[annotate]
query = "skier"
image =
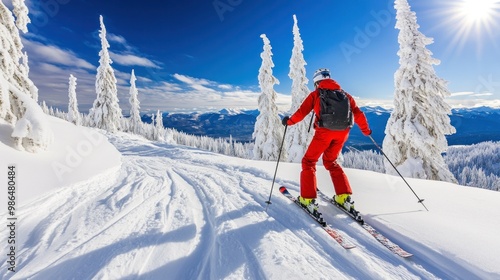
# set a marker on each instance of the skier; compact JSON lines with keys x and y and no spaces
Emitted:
{"x":327,"y":142}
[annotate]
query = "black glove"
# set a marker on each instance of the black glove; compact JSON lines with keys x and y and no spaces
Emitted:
{"x":285,"y":121}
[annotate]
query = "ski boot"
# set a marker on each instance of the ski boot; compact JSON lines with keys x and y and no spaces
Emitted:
{"x":311,"y":206}
{"x":345,"y":201}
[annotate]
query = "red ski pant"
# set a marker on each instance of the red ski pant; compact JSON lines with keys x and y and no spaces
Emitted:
{"x":329,"y":143}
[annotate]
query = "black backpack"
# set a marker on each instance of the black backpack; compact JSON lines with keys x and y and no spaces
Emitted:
{"x":335,"y":109}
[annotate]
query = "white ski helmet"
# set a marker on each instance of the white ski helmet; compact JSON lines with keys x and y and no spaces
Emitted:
{"x":321,"y":74}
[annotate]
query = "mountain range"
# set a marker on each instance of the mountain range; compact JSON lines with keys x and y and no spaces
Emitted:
{"x":473,"y":125}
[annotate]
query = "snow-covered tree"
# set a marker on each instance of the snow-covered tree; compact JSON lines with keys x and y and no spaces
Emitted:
{"x":21,"y":12}
{"x":22,"y":19}
{"x":73,"y":113}
{"x":148,"y":130}
{"x":45,"y":108}
{"x":297,"y":137}
{"x":415,"y":132}
{"x":25,"y":69}
{"x":135,"y":117}
{"x":268,"y":131}
{"x":18,"y":94}
{"x":105,"y":113}
{"x":364,"y":160}
{"x":465,"y":162}
{"x":159,"y":129}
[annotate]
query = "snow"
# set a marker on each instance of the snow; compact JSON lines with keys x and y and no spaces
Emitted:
{"x":31,"y":129}
{"x":76,"y":154}
{"x":161,"y":211}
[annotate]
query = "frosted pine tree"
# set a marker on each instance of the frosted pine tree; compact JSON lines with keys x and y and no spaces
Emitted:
{"x":415,"y":132}
{"x":18,"y":94}
{"x":297,"y":137}
{"x":159,"y":129}
{"x":135,"y":117}
{"x":45,"y":108}
{"x":21,"y":12}
{"x":25,"y":69}
{"x":73,"y":113}
{"x":268,"y":131}
{"x":22,"y":19}
{"x":105,"y":113}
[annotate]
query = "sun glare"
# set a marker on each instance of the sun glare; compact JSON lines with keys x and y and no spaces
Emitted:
{"x":477,"y":11}
{"x":470,"y":21}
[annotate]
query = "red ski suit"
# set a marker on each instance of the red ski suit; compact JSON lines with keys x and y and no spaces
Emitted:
{"x":326,"y":142}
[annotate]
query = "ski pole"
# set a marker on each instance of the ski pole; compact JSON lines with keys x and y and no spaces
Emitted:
{"x":310,"y":123}
{"x":276,"y":170}
{"x":419,"y":199}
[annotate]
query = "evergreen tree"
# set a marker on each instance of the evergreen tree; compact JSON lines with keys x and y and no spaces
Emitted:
{"x":465,"y":161}
{"x":45,"y":108}
{"x":297,"y":137}
{"x":25,"y":69}
{"x":135,"y":117}
{"x":158,"y":128}
{"x":105,"y":113}
{"x":22,"y":19}
{"x":73,"y":113}
{"x":415,"y":132}
{"x":268,"y":131}
{"x":21,"y":12}
{"x":18,"y":94}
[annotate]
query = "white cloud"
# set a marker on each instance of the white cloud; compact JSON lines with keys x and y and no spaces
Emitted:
{"x":116,"y":38}
{"x":470,"y":94}
{"x":55,"y":55}
{"x":198,"y":94}
{"x":189,"y":101}
{"x":453,"y":102}
{"x":225,"y":87}
{"x":483,"y":94}
{"x":50,"y":67}
{"x":463,"y":93}
{"x":129,"y":57}
{"x":472,"y":103}
{"x":206,"y":95}
{"x":132,"y":60}
{"x":191,"y":80}
{"x":195,"y":83}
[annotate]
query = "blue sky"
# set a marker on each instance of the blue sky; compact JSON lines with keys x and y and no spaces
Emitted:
{"x":205,"y":55}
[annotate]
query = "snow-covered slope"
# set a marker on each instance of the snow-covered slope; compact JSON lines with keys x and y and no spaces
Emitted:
{"x":172,"y":212}
{"x":76,"y":154}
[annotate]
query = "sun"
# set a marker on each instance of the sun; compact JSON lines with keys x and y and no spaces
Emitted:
{"x":477,"y":11}
{"x":468,"y":22}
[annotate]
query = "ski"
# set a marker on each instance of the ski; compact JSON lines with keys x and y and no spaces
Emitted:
{"x":393,"y":247}
{"x":331,"y":231}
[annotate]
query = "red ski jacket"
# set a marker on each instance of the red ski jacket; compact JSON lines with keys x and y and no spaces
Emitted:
{"x":312,"y":101}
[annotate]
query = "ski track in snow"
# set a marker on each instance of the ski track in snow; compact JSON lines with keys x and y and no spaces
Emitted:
{"x":190,"y":214}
